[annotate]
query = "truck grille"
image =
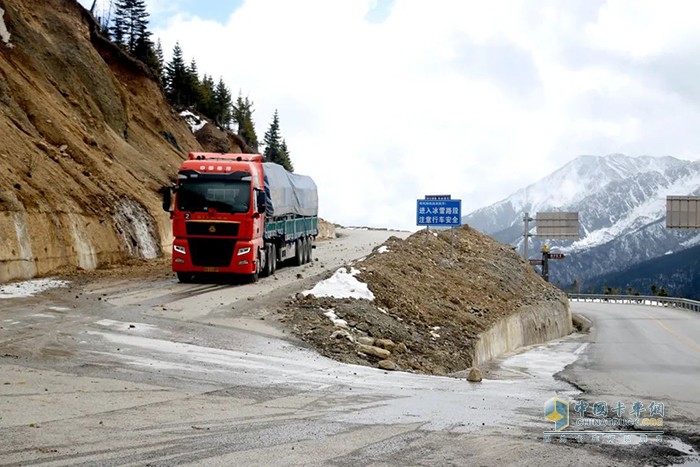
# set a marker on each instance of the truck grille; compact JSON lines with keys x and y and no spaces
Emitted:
{"x":229,"y":229}
{"x":211,"y":252}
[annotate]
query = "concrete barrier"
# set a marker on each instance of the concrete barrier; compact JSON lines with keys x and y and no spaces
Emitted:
{"x":533,"y":324}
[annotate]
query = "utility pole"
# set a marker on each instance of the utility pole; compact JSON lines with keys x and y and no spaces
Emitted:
{"x":526,"y":234}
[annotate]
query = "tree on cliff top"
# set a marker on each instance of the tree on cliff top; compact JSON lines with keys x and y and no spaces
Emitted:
{"x":275,"y":147}
{"x":243,"y":116}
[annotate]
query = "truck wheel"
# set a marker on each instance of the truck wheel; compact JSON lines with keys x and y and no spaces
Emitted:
{"x":307,"y":249}
{"x":303,"y":250}
{"x":185,"y":277}
{"x":298,"y":255}
{"x":254,"y":277}
{"x":273,"y":257}
{"x":311,"y":249}
{"x":267,"y":268}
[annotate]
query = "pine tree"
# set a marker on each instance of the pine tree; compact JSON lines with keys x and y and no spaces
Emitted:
{"x":243,"y":116}
{"x":176,"y":78}
{"x":224,"y":105}
{"x":272,"y":140}
{"x":194,"y":87}
{"x":131,"y":23}
{"x":160,"y":69}
{"x":275,"y":147}
{"x":284,"y":155}
{"x":207,"y":104}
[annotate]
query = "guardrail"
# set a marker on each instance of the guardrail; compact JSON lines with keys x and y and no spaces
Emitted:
{"x":637,"y":300}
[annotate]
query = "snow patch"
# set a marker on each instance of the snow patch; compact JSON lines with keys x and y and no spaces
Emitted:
{"x":4,"y":33}
{"x":338,"y":322}
{"x":195,"y":123}
{"x":342,"y":284}
{"x":30,"y":288}
{"x":383,"y":249}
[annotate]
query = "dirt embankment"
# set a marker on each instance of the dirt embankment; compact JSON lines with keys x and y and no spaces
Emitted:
{"x":87,"y":141}
{"x":430,"y":306}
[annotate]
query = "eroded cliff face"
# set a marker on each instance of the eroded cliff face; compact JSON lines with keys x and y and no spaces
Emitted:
{"x":86,"y":141}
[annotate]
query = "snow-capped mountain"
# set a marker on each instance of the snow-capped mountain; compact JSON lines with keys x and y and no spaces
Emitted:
{"x":621,"y":202}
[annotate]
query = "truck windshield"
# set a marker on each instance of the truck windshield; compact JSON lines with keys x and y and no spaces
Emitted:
{"x":224,"y":196}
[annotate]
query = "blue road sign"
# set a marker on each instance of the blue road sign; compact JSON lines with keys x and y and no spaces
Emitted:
{"x":439,"y":212}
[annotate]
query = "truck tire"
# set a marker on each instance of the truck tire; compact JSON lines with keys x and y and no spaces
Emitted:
{"x":303,"y":250}
{"x":298,"y":254}
{"x":307,"y":244}
{"x":185,"y":277}
{"x":273,"y":257}
{"x":311,"y":249}
{"x":267,"y":268}
{"x":256,"y":275}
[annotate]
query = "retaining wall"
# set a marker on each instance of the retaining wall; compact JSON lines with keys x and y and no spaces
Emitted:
{"x":533,"y":324}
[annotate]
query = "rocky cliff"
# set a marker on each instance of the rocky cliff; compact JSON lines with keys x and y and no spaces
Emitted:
{"x":87,"y":139}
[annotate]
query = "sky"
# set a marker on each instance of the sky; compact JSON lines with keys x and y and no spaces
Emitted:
{"x":382,"y":102}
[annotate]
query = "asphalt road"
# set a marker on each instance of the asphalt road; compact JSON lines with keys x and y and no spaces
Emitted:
{"x":118,"y":371}
{"x":642,"y":353}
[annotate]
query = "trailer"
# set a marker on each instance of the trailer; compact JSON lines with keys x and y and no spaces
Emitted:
{"x":235,"y":214}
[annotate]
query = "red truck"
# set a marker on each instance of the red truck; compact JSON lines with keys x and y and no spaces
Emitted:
{"x":235,"y":214}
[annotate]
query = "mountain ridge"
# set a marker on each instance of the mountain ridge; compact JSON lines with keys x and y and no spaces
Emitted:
{"x":621,"y":205}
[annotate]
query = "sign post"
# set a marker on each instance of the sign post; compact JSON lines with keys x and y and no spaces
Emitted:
{"x":439,"y":211}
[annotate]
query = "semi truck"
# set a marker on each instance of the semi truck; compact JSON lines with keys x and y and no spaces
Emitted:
{"x":235,"y":214}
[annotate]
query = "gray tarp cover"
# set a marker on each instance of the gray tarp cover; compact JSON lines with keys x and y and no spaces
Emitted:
{"x":289,"y":193}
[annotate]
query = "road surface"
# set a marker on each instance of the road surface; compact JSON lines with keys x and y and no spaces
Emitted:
{"x":112,"y":371}
{"x":642,"y":353}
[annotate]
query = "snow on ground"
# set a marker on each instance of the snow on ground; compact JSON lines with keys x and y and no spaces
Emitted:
{"x":342,"y":284}
{"x":193,"y":121}
{"x":29,"y":288}
{"x":383,"y":249}
{"x":334,"y":318}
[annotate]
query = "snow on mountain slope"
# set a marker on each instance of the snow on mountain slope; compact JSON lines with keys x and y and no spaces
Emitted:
{"x":621,"y":202}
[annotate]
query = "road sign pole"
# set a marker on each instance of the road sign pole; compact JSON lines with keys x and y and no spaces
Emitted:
{"x":526,"y":234}
{"x":545,"y":265}
{"x":452,"y":242}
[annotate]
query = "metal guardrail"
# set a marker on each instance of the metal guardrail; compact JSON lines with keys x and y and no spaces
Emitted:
{"x":638,"y":300}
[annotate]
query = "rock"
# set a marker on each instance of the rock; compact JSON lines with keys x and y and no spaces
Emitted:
{"x":375,"y":351}
{"x":342,"y":334}
{"x":387,"y":344}
{"x":400,"y":348}
{"x":63,"y":148}
{"x":474,"y":375}
{"x":366,"y":340}
{"x":387,"y":365}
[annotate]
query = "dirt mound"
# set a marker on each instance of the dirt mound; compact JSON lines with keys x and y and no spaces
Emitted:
{"x":429,"y":305}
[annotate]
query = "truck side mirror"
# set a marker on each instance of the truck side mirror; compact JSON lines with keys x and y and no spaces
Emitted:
{"x":260,"y":199}
{"x":167,"y":198}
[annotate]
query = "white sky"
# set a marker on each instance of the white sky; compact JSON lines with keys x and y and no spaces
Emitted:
{"x":470,"y":98}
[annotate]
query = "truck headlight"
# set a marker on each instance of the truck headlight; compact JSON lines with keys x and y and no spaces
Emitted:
{"x":243,"y":251}
{"x":179,"y":249}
